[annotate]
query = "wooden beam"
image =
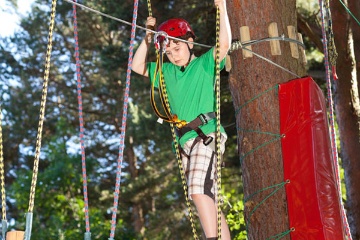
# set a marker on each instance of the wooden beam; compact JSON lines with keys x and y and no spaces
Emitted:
{"x":244,"y":37}
{"x":293,"y":46}
{"x":15,"y":235}
{"x":274,"y":44}
{"x":302,"y":49}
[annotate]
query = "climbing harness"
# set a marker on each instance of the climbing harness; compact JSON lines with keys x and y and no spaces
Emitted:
{"x":195,"y":124}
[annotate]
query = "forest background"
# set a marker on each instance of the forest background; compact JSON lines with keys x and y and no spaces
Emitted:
{"x":151,"y":204}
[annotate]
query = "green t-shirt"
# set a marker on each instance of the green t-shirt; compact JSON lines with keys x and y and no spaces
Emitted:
{"x":191,"y":92}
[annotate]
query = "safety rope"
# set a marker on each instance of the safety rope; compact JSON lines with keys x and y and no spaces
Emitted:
{"x":149,"y":8}
{"x":87,"y":234}
{"x":29,"y":215}
{"x":123,"y":121}
{"x":331,"y":113}
{"x":183,"y":181}
{"x":218,"y":124}
{"x":2,"y":175}
{"x":168,"y":117}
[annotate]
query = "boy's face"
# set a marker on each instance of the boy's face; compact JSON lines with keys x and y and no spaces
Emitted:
{"x":178,"y":52}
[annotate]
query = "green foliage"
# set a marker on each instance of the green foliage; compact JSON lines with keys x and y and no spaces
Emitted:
{"x":235,"y":214}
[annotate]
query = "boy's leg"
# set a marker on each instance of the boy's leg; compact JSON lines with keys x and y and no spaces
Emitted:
{"x":207,"y":211}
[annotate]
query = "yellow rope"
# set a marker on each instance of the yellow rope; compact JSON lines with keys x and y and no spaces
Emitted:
{"x":176,"y":145}
{"x":149,"y":8}
{"x":218,"y":134}
{"x":42,"y":108}
{"x":2,"y":172}
{"x":170,"y":118}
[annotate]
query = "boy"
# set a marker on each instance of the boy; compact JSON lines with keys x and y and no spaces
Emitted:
{"x":190,"y":87}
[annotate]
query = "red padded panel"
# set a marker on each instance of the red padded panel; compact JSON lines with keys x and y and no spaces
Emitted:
{"x":313,"y":199}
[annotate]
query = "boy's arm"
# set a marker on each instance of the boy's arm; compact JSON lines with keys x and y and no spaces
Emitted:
{"x":140,"y":57}
{"x":225,"y":30}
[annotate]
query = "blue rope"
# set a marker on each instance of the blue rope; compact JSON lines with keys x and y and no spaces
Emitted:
{"x":123,"y":123}
{"x":81,"y":122}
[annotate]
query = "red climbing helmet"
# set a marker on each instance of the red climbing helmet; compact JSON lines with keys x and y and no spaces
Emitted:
{"x":176,"y":27}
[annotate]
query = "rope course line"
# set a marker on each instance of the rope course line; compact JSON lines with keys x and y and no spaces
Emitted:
{"x":254,"y":98}
{"x":123,"y":122}
{"x":29,"y":214}
{"x":2,"y":176}
{"x":277,"y":136}
{"x":276,"y":187}
{"x":218,"y":123}
{"x":348,"y":10}
{"x":331,"y":114}
{"x":271,"y":62}
{"x":281,"y":235}
{"x":128,"y":23}
{"x":87,"y":234}
{"x":235,"y":46}
{"x":238,"y":44}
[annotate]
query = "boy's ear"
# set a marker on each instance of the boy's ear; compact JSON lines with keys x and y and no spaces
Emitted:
{"x":190,"y":44}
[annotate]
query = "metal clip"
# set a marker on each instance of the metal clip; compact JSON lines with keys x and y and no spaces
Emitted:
{"x":203,"y":118}
{"x":161,"y":40}
{"x":208,"y":140}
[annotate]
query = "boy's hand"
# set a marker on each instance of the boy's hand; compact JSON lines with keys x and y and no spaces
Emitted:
{"x":150,"y":24}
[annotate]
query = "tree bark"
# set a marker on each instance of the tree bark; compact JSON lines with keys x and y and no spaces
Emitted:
{"x":137,"y":210}
{"x":354,"y":6}
{"x":261,"y":166}
{"x":348,"y":111}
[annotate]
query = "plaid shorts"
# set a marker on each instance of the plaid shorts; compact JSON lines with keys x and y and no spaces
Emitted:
{"x":199,"y":163}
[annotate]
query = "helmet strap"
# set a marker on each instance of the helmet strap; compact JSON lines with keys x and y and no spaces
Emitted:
{"x":191,"y":53}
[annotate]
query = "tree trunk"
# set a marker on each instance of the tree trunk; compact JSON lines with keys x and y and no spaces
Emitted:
{"x":354,"y":6}
{"x":260,"y":157}
{"x":137,"y":210}
{"x":348,"y":112}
